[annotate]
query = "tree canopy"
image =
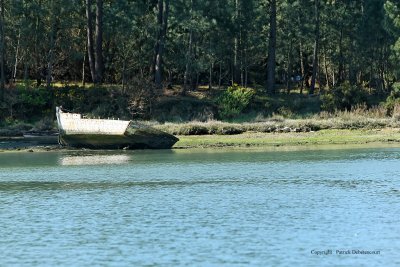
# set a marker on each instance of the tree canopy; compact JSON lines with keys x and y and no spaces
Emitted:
{"x":265,"y":43}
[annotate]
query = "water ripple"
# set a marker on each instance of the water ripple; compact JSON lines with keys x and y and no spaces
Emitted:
{"x":199,"y":209}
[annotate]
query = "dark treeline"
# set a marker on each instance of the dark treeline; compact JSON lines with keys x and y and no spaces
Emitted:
{"x":288,"y":43}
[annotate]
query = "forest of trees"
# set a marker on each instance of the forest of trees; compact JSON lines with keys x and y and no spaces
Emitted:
{"x":304,"y":44}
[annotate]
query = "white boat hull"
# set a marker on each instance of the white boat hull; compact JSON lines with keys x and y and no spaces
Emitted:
{"x":108,"y":134}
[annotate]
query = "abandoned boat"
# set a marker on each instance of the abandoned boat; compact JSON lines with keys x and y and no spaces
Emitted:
{"x":77,"y":131}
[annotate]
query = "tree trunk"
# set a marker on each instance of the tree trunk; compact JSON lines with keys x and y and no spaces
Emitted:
{"x":83,"y":67}
{"x":246,"y":69}
{"x":301,"y":67}
{"x":316,"y":48}
{"x":235,"y":64}
{"x":170,"y":79}
{"x":220,"y":75}
{"x":160,"y":6}
{"x":38,"y":70}
{"x":2,"y":52}
{"x":210,"y":76}
{"x":188,"y":63}
{"x":98,"y":65}
{"x":165,"y":29}
{"x":163,"y":13}
{"x":211,"y":65}
{"x":241,"y":63}
{"x":326,"y":69}
{"x":289,"y":68}
{"x":196,"y":86}
{"x":90,"y":43}
{"x":188,"y":54}
{"x":14,"y":75}
{"x":26,"y":75}
{"x":235,"y":73}
{"x":341,"y":59}
{"x":123,"y":75}
{"x":382,"y":76}
{"x":271,"y":49}
{"x":53,"y":37}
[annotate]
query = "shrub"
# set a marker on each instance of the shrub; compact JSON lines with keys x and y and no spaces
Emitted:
{"x":343,"y":97}
{"x":285,"y":112}
{"x":393,"y":100}
{"x":45,"y":124}
{"x":193,"y":130}
{"x":142,"y":95}
{"x":396,"y":111}
{"x":15,"y":129}
{"x":29,"y":103}
{"x":72,"y":98}
{"x":234,"y":100}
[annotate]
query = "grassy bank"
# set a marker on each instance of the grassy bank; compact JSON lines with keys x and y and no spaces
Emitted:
{"x":323,"y":137}
{"x":278,"y":124}
{"x":333,"y":138}
{"x":358,"y":126}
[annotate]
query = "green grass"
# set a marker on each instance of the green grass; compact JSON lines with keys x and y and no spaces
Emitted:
{"x":278,"y":123}
{"x":324,"y":137}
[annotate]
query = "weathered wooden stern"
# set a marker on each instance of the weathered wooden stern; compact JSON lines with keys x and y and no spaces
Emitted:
{"x":75,"y":131}
{"x":133,"y":139}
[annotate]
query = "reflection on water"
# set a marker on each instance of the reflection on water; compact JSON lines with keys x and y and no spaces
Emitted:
{"x":93,"y":160}
{"x":201,"y":208}
{"x":38,"y":185}
{"x":87,"y":185}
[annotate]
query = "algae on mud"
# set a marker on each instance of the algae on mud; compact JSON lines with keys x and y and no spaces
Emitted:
{"x":323,"y":137}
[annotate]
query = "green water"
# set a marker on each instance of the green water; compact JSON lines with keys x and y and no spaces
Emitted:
{"x":200,"y":208}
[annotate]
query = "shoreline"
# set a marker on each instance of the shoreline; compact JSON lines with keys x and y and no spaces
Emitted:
{"x":329,"y":139}
{"x":319,"y":138}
